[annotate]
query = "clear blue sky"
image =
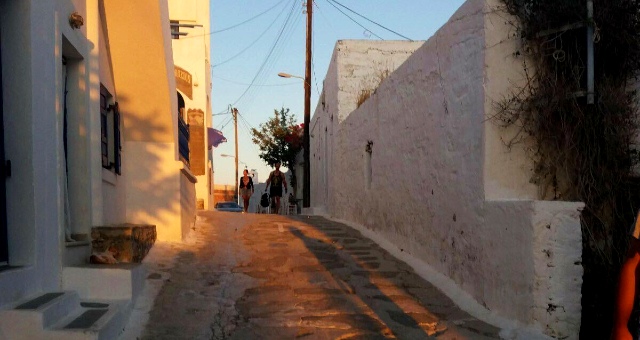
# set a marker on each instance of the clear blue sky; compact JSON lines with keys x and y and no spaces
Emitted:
{"x":273,"y":40}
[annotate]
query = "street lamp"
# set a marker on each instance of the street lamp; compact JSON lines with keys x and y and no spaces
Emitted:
{"x":306,"y":188}
{"x":287,"y":75}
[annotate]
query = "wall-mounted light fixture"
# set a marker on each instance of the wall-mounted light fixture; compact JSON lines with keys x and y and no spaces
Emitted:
{"x":76,"y":20}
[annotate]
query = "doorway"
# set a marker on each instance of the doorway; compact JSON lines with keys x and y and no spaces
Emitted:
{"x":4,"y":174}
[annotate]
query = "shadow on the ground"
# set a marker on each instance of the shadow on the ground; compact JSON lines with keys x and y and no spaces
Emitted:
{"x":343,"y":265}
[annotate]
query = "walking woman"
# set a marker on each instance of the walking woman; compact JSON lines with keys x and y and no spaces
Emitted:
{"x":246,"y":188}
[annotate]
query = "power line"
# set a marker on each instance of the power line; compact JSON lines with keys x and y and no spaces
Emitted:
{"x":222,"y":125}
{"x":280,"y":48}
{"x":236,"y":25}
{"x":313,"y":68}
{"x":247,"y":129}
{"x":245,"y":84}
{"x":221,"y":112}
{"x":254,"y":42}
{"x":264,"y":63}
{"x":357,"y":23}
{"x":369,"y":20}
{"x":246,"y":122}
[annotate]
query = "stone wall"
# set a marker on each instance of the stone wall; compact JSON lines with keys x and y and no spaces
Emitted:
{"x":224,"y":193}
{"x":418,"y":164}
{"x":128,"y":242}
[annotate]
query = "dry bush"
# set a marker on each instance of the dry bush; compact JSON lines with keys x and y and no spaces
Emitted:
{"x":582,"y":152}
{"x":369,"y":85}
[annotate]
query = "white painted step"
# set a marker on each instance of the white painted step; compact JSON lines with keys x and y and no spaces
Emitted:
{"x":122,"y":281}
{"x":108,"y":326}
{"x":19,"y":321}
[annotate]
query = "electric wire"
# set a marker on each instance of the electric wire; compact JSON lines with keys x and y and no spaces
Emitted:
{"x":369,"y":20}
{"x":245,"y":127}
{"x":313,"y":47}
{"x":335,"y":33}
{"x":222,"y":125}
{"x":244,"y":124}
{"x":268,"y":72}
{"x":267,"y":59}
{"x":263,"y":67}
{"x":245,"y":121}
{"x":254,"y":146}
{"x":253,"y":43}
{"x":280,"y":49}
{"x":236,"y":25}
{"x":352,"y":19}
{"x":221,"y":112}
{"x":246,"y":84}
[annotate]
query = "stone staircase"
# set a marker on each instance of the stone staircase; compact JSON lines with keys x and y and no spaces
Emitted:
{"x":63,"y":315}
{"x":95,"y":304}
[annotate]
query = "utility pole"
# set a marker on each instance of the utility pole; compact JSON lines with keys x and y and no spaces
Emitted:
{"x":306,"y":189}
{"x":235,"y":128}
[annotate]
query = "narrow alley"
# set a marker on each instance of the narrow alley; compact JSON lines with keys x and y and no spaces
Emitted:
{"x":251,"y":276}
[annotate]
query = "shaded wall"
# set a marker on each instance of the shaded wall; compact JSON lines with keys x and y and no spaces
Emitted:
{"x":28,"y":33}
{"x":142,"y":64}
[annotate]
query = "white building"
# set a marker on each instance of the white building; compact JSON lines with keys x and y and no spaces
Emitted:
{"x":190,"y":26}
{"x":91,"y":130}
{"x":420,"y":166}
{"x":254,"y":175}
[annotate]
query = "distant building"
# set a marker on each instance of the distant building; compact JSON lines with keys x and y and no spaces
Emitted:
{"x":189,"y":19}
{"x":254,"y":175}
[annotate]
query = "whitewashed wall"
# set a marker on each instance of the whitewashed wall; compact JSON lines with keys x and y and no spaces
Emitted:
{"x":28,"y":34}
{"x":437,"y":184}
{"x":192,"y":54}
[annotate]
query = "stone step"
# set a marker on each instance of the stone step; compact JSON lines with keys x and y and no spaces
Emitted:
{"x":92,"y":320}
{"x":26,"y":318}
{"x":122,"y":281}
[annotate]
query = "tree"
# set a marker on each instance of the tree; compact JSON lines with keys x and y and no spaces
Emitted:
{"x":280,"y":140}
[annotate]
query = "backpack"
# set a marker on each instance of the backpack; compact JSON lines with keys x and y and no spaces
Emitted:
{"x":264,"y":200}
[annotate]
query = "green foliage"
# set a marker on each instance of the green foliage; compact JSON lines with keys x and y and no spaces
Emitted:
{"x":582,"y":152}
{"x":279,"y":140}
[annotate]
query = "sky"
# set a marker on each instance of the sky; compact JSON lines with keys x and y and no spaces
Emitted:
{"x":253,"y":40}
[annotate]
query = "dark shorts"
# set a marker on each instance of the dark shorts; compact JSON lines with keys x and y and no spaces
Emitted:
{"x":275,"y":192}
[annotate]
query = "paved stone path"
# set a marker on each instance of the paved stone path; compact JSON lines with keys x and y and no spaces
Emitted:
{"x":252,"y":276}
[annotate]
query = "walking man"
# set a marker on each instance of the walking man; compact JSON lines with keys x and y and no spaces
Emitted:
{"x":276,"y":179}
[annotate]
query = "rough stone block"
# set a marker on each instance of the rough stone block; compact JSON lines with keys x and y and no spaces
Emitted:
{"x":129,"y":242}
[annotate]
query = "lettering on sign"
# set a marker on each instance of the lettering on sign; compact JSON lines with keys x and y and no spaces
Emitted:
{"x":184,"y":81}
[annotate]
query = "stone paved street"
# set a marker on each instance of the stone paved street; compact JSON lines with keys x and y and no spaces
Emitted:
{"x":250,"y":276}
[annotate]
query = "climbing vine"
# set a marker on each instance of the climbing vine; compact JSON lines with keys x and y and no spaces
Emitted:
{"x":582,"y":151}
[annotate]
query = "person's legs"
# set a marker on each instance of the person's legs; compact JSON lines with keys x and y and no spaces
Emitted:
{"x":277,"y":205}
{"x":246,"y":203}
{"x":276,"y":193}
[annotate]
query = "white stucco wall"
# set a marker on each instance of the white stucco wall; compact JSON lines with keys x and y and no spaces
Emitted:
{"x":187,"y":202}
{"x":191,"y":53}
{"x":81,"y":101}
{"x":28,"y":37}
{"x":154,"y":188}
{"x":110,"y":189}
{"x":507,"y":170}
{"x":433,"y":184}
{"x":356,"y":66}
